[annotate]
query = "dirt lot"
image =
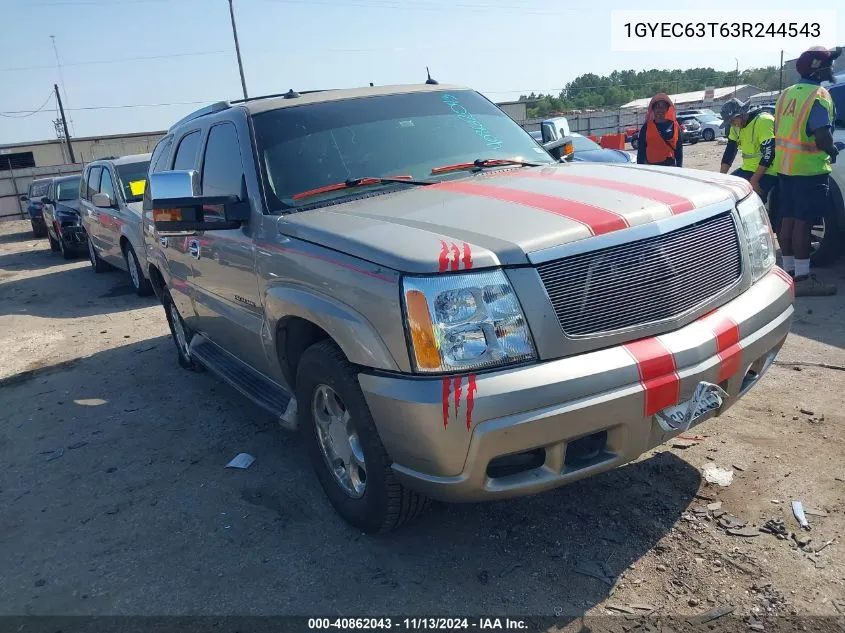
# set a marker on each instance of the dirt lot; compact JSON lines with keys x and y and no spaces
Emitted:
{"x":115,"y":499}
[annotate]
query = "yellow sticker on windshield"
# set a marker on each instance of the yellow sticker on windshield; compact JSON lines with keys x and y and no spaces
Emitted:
{"x":137,"y":187}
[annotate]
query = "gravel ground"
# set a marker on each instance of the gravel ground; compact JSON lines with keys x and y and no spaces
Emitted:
{"x":116,"y":501}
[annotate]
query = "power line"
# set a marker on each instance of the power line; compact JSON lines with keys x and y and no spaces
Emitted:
{"x":119,"y":61}
{"x":43,"y":105}
{"x":119,"y":107}
{"x":408,"y":6}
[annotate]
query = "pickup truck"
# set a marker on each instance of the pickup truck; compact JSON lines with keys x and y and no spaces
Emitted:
{"x":441,"y":307}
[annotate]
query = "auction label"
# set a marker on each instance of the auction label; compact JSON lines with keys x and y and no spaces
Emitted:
{"x":418,"y":624}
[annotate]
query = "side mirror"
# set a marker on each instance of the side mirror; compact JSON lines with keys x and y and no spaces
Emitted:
{"x":24,"y":198}
{"x":562,"y":149}
{"x":46,"y":200}
{"x":178,"y":205}
{"x":102,"y":200}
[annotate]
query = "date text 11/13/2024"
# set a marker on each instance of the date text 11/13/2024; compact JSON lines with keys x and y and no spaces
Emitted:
{"x":417,"y":624}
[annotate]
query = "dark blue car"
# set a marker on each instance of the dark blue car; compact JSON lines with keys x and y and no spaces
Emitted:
{"x":586,"y":150}
{"x":35,"y":206}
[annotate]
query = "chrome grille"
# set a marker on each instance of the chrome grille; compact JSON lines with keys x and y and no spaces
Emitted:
{"x":645,"y":281}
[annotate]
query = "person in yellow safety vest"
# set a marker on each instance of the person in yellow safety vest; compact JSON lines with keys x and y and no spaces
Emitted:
{"x":752,"y":132}
{"x":804,"y":150}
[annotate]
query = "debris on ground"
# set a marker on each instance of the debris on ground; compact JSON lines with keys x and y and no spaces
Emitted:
{"x":714,"y":506}
{"x":775,"y":527}
{"x":715,"y":475}
{"x":798,"y":511}
{"x":815,"y":513}
{"x":594,"y":569}
{"x":730,"y":522}
{"x":712,"y":614}
{"x":241,"y":460}
{"x":748,"y":532}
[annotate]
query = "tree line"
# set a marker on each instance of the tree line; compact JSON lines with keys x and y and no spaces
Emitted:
{"x":620,"y":87}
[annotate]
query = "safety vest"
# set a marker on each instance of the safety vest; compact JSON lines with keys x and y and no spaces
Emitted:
{"x":748,"y":139}
{"x":796,"y":153}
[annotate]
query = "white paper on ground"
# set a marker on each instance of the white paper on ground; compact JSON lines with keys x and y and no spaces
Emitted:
{"x":241,"y":460}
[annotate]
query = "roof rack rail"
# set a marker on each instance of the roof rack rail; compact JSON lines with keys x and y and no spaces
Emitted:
{"x":209,"y":109}
{"x":290,"y":94}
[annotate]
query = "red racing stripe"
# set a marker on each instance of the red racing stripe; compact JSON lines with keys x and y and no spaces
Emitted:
{"x":677,"y":204}
{"x":726,"y":331}
{"x":597,"y":220}
{"x":658,"y":374}
{"x":780,"y":272}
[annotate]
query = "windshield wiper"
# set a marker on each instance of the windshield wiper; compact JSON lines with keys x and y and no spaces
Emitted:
{"x":483,"y":163}
{"x":359,"y":182}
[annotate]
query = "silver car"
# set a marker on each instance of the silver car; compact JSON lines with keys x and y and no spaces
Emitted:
{"x":110,"y":204}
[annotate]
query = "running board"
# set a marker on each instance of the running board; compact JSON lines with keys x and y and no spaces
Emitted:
{"x":264,"y":392}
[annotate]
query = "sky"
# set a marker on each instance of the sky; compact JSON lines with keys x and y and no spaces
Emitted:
{"x":143,"y":53}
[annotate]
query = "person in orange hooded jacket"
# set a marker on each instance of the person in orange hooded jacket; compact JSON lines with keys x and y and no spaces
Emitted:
{"x":660,"y":141}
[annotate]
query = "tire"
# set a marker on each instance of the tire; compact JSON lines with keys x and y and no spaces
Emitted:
{"x":67,"y":253}
{"x":181,"y":339}
{"x":384,"y":504}
{"x":635,"y":142}
{"x":833,"y":241}
{"x":140,"y":284}
{"x":708,"y":135}
{"x":38,"y":231}
{"x":97,"y":264}
{"x":54,"y":245}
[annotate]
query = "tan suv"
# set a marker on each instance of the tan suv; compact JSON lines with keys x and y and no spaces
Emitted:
{"x":441,"y":307}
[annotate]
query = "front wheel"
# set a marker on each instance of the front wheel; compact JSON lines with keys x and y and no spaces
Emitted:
{"x":343,"y":444}
{"x":181,"y":333}
{"x":709,"y":135}
{"x":97,"y":264}
{"x":140,"y":284}
{"x":54,"y":245}
{"x":38,"y":230}
{"x":67,"y":252}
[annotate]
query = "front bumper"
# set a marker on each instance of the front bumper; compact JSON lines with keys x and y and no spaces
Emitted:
{"x":75,"y":237}
{"x":525,"y":430}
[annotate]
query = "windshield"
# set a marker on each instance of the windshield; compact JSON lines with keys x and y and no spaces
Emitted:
{"x":67,"y":189}
{"x":307,"y":147}
{"x":133,"y":180}
{"x":709,"y":118}
{"x":583,"y":144}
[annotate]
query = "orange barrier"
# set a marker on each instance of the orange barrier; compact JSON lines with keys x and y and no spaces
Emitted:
{"x":613,"y":141}
{"x":594,"y":139}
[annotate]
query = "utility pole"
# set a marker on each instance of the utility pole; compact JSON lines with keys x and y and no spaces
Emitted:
{"x":237,"y":48}
{"x":64,"y":124}
{"x":780,"y":80}
{"x":61,"y":75}
{"x":736,"y":78}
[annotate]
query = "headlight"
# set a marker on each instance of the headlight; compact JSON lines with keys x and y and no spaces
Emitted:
{"x":758,"y":235}
{"x":465,"y":322}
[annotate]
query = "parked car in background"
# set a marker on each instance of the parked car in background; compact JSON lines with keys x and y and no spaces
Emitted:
{"x":61,"y":216}
{"x":33,"y":197}
{"x":443,"y":309}
{"x":590,"y":151}
{"x":711,"y":126}
{"x":113,"y":190}
{"x":691,"y":129}
{"x":696,"y":112}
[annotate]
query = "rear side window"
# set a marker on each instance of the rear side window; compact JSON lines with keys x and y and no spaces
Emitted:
{"x":38,"y":189}
{"x":186,"y":155}
{"x":222,"y":170}
{"x":158,"y":161}
{"x":837,"y":93}
{"x":93,"y":184}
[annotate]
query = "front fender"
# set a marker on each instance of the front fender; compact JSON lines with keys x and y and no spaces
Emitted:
{"x":352,"y":332}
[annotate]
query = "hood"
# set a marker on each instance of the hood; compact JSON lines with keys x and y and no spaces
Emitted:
{"x":504,"y":216}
